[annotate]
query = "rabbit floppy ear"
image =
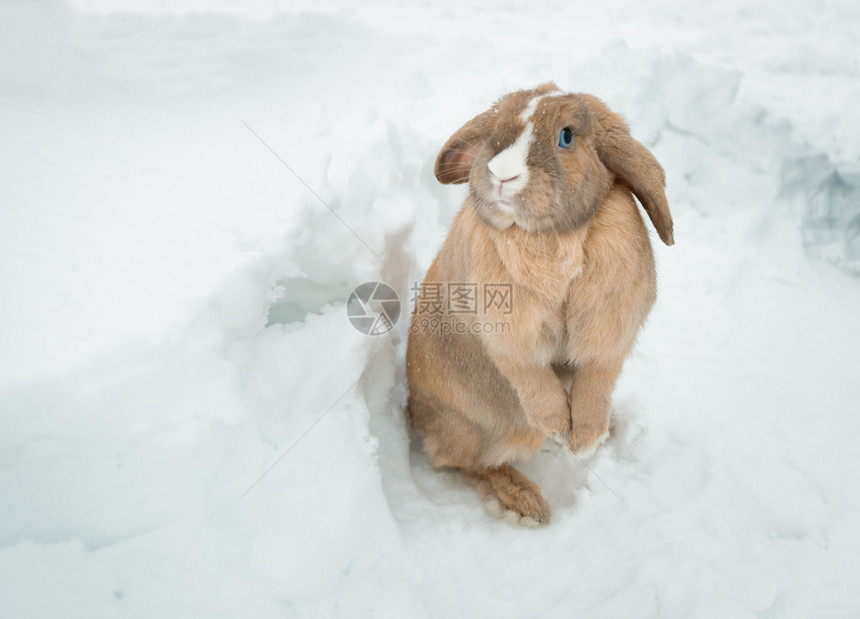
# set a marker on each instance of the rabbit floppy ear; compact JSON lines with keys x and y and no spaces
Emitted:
{"x":635,"y":164}
{"x":454,"y":162}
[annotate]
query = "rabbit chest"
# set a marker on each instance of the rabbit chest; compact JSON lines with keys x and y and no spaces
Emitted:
{"x":582,"y":295}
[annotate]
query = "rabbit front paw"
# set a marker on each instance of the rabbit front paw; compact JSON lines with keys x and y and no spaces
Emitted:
{"x":586,"y":440}
{"x":554,"y":425}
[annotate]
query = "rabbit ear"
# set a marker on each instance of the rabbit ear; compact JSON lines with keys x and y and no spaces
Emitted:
{"x":454,"y":162}
{"x":635,"y":164}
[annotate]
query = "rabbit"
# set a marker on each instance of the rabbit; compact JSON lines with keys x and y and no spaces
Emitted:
{"x":550,"y":225}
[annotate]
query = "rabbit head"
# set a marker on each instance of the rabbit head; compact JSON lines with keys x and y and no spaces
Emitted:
{"x":545,"y":160}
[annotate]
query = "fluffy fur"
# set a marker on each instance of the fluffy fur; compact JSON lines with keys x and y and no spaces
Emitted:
{"x":572,"y":248}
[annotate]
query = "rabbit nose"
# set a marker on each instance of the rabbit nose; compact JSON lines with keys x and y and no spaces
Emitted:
{"x":509,"y":165}
{"x":504,"y":170}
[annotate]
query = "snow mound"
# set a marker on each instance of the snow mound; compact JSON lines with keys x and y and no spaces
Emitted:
{"x":193,"y":426}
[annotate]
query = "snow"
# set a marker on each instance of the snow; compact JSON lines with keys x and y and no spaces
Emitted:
{"x":192,"y":427}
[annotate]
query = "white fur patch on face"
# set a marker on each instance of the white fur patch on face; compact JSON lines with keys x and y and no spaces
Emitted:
{"x":531,"y":108}
{"x":506,"y":208}
{"x":509,"y":167}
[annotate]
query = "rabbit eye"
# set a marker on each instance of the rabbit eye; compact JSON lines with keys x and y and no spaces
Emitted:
{"x":565,"y":138}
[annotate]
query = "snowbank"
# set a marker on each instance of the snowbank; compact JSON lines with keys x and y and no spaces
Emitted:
{"x":191,"y":424}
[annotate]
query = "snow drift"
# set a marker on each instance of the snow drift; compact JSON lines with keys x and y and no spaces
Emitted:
{"x":191,"y":424}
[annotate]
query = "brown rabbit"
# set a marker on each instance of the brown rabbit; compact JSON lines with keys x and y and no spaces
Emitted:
{"x":551,"y":244}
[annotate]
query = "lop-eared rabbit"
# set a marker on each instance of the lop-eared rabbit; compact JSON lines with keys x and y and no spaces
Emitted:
{"x":552,"y":246}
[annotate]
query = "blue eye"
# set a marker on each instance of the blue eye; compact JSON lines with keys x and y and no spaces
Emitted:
{"x":565,"y":138}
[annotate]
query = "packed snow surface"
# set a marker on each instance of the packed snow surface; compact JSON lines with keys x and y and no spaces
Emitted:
{"x":190,"y":190}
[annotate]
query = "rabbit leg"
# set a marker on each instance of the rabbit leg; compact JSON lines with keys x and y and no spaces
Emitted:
{"x":511,"y":496}
{"x":542,"y":395}
{"x":590,"y":403}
